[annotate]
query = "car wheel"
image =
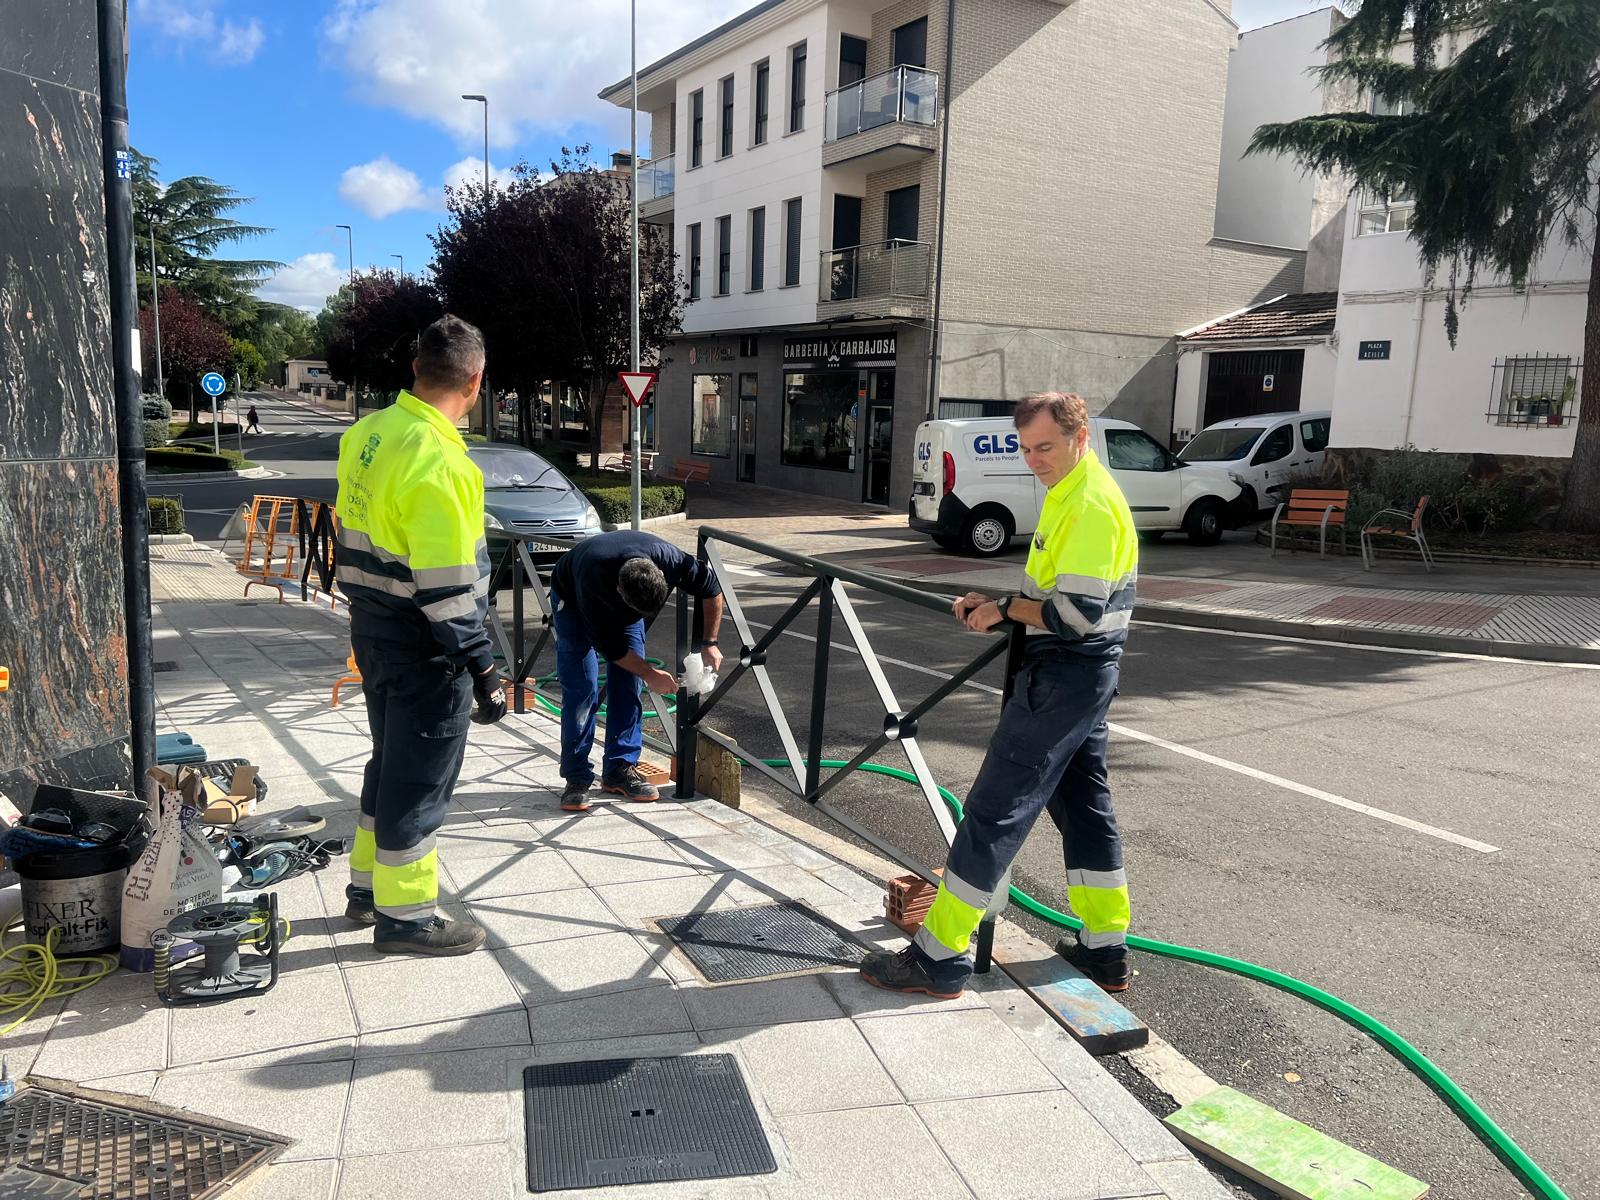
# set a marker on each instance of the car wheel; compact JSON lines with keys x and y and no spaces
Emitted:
{"x":1204,"y":522}
{"x":988,"y":533}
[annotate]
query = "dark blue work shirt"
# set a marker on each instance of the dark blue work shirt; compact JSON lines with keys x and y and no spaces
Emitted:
{"x":586,"y":581}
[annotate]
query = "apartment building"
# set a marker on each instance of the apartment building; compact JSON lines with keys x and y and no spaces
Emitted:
{"x":890,"y":210}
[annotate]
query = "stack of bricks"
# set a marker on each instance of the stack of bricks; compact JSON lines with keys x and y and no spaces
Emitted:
{"x":908,"y":900}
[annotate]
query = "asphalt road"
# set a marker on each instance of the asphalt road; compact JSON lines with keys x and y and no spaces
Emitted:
{"x":300,"y":447}
{"x":1487,"y":961}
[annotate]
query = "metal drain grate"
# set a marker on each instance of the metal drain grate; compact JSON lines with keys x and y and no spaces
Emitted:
{"x":624,"y":1121}
{"x":126,"y":1152}
{"x":751,"y":943}
{"x":25,"y":1183}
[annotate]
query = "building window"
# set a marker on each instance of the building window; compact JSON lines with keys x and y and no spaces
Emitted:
{"x":758,"y":249}
{"x":901,"y":211}
{"x":711,"y":416}
{"x":694,"y":262}
{"x":1537,"y":390}
{"x":749,"y":347}
{"x":819,"y":419}
{"x":697,"y":127}
{"x":725,"y":133}
{"x":791,"y":243}
{"x":759,"y":103}
{"x":1378,"y":215}
{"x":724,"y":255}
{"x":797,"y":88}
{"x":911,"y":44}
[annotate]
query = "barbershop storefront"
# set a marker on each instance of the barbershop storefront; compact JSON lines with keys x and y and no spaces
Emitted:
{"x":807,"y":412}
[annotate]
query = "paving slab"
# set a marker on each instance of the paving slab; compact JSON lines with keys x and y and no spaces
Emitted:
{"x":935,"y":1055}
{"x":429,"y":1101}
{"x":848,"y":1155}
{"x":760,"y":1002}
{"x":296,"y":1181}
{"x":113,"y":1028}
{"x":508,"y":1028}
{"x":810,"y":1066}
{"x":461,"y":1171}
{"x":406,"y":991}
{"x":303,"y":1011}
{"x":653,"y":1010}
{"x":631,"y":862}
{"x":542,"y":917}
{"x":522,"y":872}
{"x":303,"y":1101}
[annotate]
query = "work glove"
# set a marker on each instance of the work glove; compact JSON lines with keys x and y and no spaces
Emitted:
{"x":488,"y":690}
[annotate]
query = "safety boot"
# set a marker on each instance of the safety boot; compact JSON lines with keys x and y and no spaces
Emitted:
{"x":904,"y":971}
{"x":630,"y":783}
{"x":1106,"y":965}
{"x":437,"y":939}
{"x":575,"y":797}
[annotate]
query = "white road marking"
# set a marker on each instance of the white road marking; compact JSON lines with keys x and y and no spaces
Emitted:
{"x":1201,"y":756}
{"x":1301,"y":641}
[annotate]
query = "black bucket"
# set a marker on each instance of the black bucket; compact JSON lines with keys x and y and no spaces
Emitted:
{"x":79,"y":892}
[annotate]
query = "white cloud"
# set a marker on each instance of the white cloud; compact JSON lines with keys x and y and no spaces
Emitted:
{"x":540,"y":62}
{"x":195,"y":23}
{"x":383,"y":187}
{"x":306,"y":283}
{"x":470,"y":171}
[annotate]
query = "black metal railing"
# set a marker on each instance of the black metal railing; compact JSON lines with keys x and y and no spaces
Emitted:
{"x":1535,"y":391}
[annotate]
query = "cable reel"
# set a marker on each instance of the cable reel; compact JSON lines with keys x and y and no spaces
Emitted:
{"x":223,"y":932}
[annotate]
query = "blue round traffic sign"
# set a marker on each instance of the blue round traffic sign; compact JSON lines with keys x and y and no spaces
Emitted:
{"x":213,"y":384}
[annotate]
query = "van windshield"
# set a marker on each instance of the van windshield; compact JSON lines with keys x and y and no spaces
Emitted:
{"x":1220,"y":445}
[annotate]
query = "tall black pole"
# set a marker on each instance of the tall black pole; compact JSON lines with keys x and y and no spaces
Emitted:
{"x":117,"y":166}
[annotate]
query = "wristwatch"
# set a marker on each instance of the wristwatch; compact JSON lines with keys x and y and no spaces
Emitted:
{"x":1004,"y":605}
{"x":708,"y":642}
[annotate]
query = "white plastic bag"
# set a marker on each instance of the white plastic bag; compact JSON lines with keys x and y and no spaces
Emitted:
{"x":696,"y":680}
{"x":177,"y":871}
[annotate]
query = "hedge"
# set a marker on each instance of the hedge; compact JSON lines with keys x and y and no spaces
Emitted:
{"x":155,"y":434}
{"x":185,"y":458}
{"x":615,"y":504}
{"x":166,"y":514}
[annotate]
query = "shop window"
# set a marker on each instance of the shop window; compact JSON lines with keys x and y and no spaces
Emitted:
{"x":711,"y":415}
{"x":819,"y":419}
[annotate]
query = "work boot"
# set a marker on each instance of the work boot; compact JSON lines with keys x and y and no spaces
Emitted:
{"x":1106,"y":966}
{"x":630,"y":782}
{"x":575,"y":798}
{"x":438,"y":939}
{"x":905,"y":972}
{"x":361,"y":912}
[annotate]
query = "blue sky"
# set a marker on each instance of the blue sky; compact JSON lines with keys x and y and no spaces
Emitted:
{"x":348,"y":111}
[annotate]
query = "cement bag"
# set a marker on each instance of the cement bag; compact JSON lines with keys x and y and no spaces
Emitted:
{"x":177,"y":871}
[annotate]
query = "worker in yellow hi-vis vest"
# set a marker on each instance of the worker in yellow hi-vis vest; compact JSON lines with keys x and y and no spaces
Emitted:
{"x":1049,"y":749}
{"x":413,"y":562}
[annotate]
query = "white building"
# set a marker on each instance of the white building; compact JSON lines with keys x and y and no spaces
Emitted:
{"x":885,"y":214}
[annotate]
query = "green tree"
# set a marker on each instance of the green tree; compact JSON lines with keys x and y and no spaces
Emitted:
{"x":192,"y":221}
{"x":192,"y":343}
{"x":282,"y":333}
{"x":1500,"y":147}
{"x":371,"y":334}
{"x":245,"y":361}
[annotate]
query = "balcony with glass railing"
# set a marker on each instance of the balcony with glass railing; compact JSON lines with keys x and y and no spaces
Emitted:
{"x":657,"y":180}
{"x":883,"y":279}
{"x":891,"y":116}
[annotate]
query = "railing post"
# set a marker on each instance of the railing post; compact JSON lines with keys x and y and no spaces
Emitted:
{"x":514,"y":669}
{"x":819,"y":691}
{"x":684,"y":768}
{"x":983,"y":955}
{"x":900,"y":94}
{"x":1014,"y":650}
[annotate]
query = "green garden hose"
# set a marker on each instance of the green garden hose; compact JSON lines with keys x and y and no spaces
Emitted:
{"x":1496,"y":1139}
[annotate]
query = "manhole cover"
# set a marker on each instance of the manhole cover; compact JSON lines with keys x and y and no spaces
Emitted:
{"x":623,"y":1121}
{"x":125,"y":1151}
{"x":750,"y":943}
{"x":159,"y":667}
{"x":25,"y":1183}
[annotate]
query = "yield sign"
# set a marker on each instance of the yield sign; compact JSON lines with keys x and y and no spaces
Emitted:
{"x":637,"y":384}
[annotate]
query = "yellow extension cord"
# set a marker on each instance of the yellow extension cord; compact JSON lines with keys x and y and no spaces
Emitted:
{"x":38,"y":974}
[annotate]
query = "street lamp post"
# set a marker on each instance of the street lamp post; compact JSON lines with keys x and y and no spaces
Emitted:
{"x":355,"y":386}
{"x":635,"y":484}
{"x":402,"y":259}
{"x":490,"y":418}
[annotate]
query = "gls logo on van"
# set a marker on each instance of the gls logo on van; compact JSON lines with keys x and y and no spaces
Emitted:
{"x":995,"y":443}
{"x":924,"y":451}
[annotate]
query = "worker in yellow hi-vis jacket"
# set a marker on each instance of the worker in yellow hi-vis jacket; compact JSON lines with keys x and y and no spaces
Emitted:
{"x":413,"y":562}
{"x":1049,"y":749}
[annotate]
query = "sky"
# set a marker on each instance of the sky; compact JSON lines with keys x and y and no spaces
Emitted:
{"x":330,"y":112}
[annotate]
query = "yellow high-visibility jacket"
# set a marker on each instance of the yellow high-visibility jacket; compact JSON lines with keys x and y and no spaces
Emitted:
{"x":412,"y":557}
{"x":1084,"y":563}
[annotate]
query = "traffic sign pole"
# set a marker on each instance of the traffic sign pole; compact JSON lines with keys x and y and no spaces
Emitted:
{"x":213,"y":385}
{"x":637,"y":384}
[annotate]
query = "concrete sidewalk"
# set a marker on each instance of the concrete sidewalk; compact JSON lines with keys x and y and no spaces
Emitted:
{"x":401,"y":1077}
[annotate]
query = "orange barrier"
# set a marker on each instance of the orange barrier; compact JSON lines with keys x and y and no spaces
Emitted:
{"x":353,"y":677}
{"x":280,"y":548}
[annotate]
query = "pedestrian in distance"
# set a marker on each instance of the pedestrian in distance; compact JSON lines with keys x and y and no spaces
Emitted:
{"x":1048,"y":752}
{"x":252,"y":421}
{"x":413,"y":562}
{"x":604,"y":593}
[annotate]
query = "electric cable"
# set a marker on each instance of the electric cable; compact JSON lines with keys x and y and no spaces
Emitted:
{"x":38,"y":975}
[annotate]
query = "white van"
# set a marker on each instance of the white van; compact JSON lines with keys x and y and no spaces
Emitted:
{"x":1265,"y":453}
{"x":971,"y":490}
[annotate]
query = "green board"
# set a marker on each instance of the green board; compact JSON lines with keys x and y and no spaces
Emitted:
{"x":1292,"y":1159}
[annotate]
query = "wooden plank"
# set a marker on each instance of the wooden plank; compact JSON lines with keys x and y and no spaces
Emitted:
{"x":1279,"y":1152}
{"x":1098,"y":1022}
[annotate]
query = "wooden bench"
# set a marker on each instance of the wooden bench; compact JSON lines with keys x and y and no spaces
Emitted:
{"x":687,"y":470}
{"x":1312,"y":508}
{"x":1393,"y":522}
{"x":624,"y":462}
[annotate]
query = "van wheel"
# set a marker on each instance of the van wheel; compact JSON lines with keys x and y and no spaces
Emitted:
{"x":988,"y":532}
{"x":1203,"y":523}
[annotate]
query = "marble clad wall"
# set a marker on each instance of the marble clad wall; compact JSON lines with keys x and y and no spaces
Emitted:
{"x":61,"y":630}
